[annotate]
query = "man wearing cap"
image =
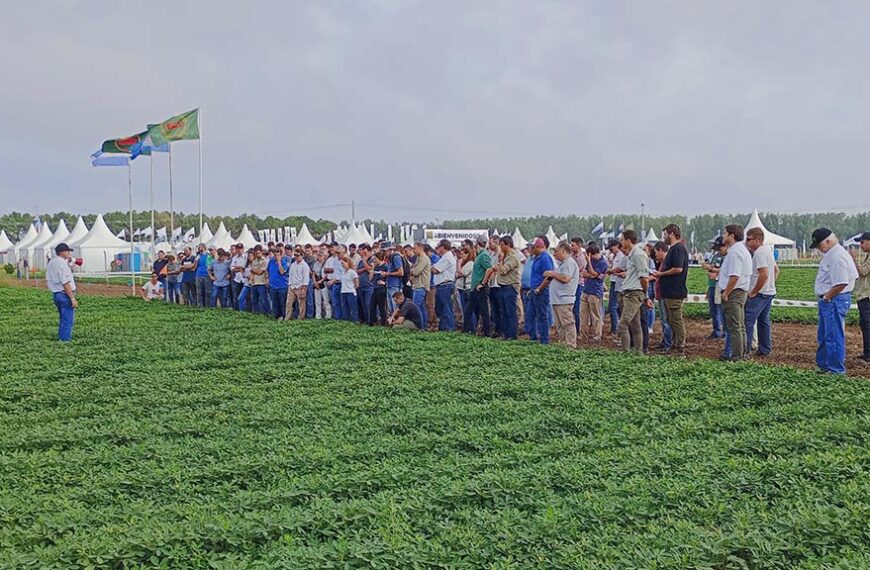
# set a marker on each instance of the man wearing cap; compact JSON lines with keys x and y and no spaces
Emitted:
{"x":60,"y":281}
{"x":862,"y":291}
{"x":834,"y":284}
{"x":634,"y":293}
{"x":762,"y":290}
{"x":713,"y":301}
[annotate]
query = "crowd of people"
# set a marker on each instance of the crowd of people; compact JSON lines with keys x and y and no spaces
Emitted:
{"x":496,"y":288}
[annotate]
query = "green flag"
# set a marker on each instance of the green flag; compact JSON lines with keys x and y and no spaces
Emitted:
{"x":177,"y":128}
{"x":122,"y":145}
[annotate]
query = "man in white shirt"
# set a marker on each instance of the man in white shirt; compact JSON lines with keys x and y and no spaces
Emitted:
{"x":562,"y":282}
{"x":834,"y":284}
{"x":762,"y":290}
{"x":60,"y":281}
{"x":444,"y":272}
{"x":237,"y":268}
{"x":634,"y":293}
{"x":297,"y":285}
{"x":617,"y":269}
{"x":734,"y":278}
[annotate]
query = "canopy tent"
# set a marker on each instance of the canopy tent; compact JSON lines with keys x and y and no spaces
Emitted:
{"x":304,"y":237}
{"x":6,"y":246}
{"x":783,"y":247}
{"x":44,"y":252}
{"x":28,"y":250}
{"x":552,"y":238}
{"x":31,"y":235}
{"x":651,"y":236}
{"x":99,"y":247}
{"x":206,"y":235}
{"x":222,"y":239}
{"x":354,"y":236}
{"x":246,"y":238}
{"x":519,"y":240}
{"x":79,"y":231}
{"x":366,"y":234}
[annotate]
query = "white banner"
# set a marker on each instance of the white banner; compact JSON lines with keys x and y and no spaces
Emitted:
{"x":434,"y":235}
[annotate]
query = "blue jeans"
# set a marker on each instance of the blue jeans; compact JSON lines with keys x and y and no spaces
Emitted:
{"x":173,"y":292}
{"x":258,"y":299}
{"x":444,"y":307}
{"x":365,"y":301}
{"x":349,"y":310}
{"x":477,"y":307}
{"x":162,"y":281}
{"x":507,"y":297}
{"x":391,"y":304}
{"x":335,"y":301}
{"x":528,"y":311}
{"x":235,"y":292}
{"x":667,"y":333}
{"x":278,"y":297}
{"x":716,"y":315}
{"x":309,"y":300}
{"x":188,"y":290}
{"x":613,"y":308}
{"x":541,"y":317}
{"x":757,"y":310}
{"x":203,"y":288}
{"x":67,"y":316}
{"x":831,"y":355}
{"x":243,"y":302}
{"x":220,"y":293}
{"x":419,"y":299}
{"x":576,"y":309}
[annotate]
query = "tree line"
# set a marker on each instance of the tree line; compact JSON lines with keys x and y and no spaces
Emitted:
{"x":705,"y":227}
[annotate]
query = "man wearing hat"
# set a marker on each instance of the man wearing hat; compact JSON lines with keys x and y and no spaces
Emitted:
{"x":713,"y":299}
{"x":834,"y":284}
{"x":59,"y":279}
{"x":862,"y":291}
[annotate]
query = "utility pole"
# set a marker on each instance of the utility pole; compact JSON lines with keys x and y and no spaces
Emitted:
{"x":353,"y":211}
{"x":643,"y":220}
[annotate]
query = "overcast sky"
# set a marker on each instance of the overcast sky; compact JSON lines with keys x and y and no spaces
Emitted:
{"x":502,"y":107}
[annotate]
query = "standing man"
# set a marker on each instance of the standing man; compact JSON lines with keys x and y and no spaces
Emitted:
{"x":592,"y":300}
{"x":160,"y":269}
{"x":540,"y":294}
{"x":634,"y":293}
{"x":297,"y":286}
{"x":277,"y":270}
{"x":672,"y":284}
{"x":734,"y":278}
{"x":259,"y":280}
{"x":578,"y":252}
{"x":478,"y":292}
{"x":237,"y":267}
{"x":421,"y":280}
{"x":203,"y":282}
{"x":762,"y":290}
{"x":715,"y":307}
{"x":616,"y":271}
{"x":495,"y":308}
{"x":394,"y":275}
{"x":445,"y":274}
{"x":508,"y":279}
{"x":862,"y":291}
{"x":188,"y":277}
{"x":219,"y":273}
{"x":60,"y":281}
{"x":364,"y":267}
{"x":834,"y":284}
{"x":563,"y":290}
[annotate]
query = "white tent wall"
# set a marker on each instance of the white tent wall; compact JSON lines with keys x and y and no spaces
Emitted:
{"x":27,"y":252}
{"x":44,"y":252}
{"x":6,"y":246}
{"x":99,"y":247}
{"x":30,"y":236}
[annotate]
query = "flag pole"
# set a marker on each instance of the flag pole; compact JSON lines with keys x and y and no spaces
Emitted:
{"x":153,"y":229}
{"x":199,"y":125}
{"x":171,"y":210}
{"x":130,"y":197}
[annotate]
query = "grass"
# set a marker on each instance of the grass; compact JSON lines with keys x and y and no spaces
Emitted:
{"x":166,"y":437}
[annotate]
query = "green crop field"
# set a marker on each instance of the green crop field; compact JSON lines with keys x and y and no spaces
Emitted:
{"x":168,"y":437}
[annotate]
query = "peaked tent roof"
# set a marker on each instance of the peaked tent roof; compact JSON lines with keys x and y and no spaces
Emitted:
{"x":651,"y":236}
{"x":304,"y":237}
{"x":519,"y":240}
{"x":552,"y":237}
{"x":354,"y":236}
{"x":5,"y":242}
{"x":368,"y":236}
{"x":246,"y":238}
{"x":44,"y":236}
{"x":222,"y":238}
{"x":100,"y":236}
{"x":770,"y":238}
{"x":206,"y":235}
{"x":31,"y":235}
{"x":60,"y":234}
{"x":79,"y":231}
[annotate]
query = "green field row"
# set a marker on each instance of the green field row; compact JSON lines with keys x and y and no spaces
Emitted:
{"x":165,"y":437}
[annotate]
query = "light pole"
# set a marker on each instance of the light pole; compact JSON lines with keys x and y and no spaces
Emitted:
{"x":643,"y":220}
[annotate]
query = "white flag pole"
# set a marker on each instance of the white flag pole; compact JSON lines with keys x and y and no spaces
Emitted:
{"x":199,"y":125}
{"x":153,"y":225}
{"x":130,"y":197}
{"x":171,"y":210}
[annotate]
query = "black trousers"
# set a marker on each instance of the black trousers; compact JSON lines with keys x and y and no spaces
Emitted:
{"x":378,"y":307}
{"x":478,"y":304}
{"x":864,"y":320}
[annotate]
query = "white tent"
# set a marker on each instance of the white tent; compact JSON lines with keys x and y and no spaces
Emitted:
{"x":79,"y":231}
{"x":246,"y":238}
{"x":206,"y":234}
{"x":519,"y":240}
{"x":99,"y":247}
{"x":304,"y":237}
{"x":31,"y":235}
{"x":651,"y":236}
{"x":5,"y":247}
{"x":221,"y":239}
{"x":27,"y":252}
{"x":552,"y":238}
{"x":366,"y":234}
{"x":785,"y":248}
{"x":44,"y":252}
{"x":354,"y":236}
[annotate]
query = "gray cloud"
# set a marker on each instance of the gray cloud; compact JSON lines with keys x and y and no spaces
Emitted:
{"x":534,"y":107}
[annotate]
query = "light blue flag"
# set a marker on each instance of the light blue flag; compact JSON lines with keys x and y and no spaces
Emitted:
{"x":599,"y":228}
{"x":100,"y":159}
{"x":146,"y":147}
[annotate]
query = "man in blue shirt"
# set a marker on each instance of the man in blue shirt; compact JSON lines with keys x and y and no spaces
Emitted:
{"x":187,"y":276}
{"x":366,"y":289}
{"x":203,"y":281}
{"x":277,"y":269}
{"x":219,"y":273}
{"x":540,"y":323}
{"x":395,"y":270}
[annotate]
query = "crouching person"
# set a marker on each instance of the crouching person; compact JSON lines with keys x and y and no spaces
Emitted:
{"x":406,"y":314}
